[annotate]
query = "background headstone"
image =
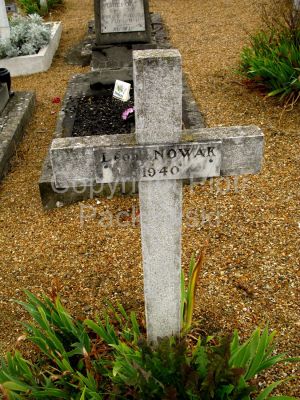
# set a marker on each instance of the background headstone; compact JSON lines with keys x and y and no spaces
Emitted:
{"x":122,"y":21}
{"x":4,"y":25}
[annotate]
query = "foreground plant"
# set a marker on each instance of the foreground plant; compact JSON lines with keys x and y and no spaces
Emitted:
{"x":109,"y":358}
{"x":188,"y":294}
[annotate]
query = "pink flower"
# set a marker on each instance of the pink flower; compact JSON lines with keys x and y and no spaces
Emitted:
{"x":126,"y":113}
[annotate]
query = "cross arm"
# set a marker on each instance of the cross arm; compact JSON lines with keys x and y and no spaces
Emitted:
{"x":76,"y":160}
{"x":242,"y":147}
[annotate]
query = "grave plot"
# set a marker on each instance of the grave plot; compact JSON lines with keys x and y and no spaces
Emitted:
{"x":85,"y":87}
{"x":87,"y":110}
{"x":85,"y":123}
{"x":249,"y":273}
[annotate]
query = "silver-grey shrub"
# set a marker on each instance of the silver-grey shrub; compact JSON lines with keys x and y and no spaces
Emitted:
{"x":27,"y":36}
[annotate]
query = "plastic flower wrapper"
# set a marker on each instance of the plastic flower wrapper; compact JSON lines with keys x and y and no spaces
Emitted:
{"x":128,"y":113}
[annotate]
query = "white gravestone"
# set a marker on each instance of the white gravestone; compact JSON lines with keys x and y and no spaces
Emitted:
{"x":161,"y":158}
{"x":4,"y":25}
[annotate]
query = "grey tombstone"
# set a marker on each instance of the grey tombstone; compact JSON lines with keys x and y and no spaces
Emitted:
{"x":159,"y":156}
{"x":297,"y":4}
{"x":122,"y":21}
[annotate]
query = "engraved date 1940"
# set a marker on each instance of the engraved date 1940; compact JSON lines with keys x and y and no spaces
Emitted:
{"x":164,"y":171}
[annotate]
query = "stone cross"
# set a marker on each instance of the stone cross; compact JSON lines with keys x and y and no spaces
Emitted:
{"x":160,"y":156}
{"x":122,"y":21}
{"x":158,"y":107}
{"x":4,"y":25}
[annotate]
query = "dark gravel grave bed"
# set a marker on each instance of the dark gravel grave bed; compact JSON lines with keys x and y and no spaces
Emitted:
{"x":101,"y":114}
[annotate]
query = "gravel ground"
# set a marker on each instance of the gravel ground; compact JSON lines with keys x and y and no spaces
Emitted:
{"x":252,"y":225}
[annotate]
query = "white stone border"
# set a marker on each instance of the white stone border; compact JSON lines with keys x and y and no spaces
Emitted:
{"x":40,"y":62}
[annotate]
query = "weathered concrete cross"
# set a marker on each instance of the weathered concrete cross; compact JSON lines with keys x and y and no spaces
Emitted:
{"x":160,"y":159}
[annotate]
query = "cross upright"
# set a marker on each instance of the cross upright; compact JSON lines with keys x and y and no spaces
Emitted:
{"x":159,"y":158}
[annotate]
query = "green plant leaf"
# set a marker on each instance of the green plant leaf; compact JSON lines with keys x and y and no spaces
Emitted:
{"x":258,"y":352}
{"x":82,"y":397}
{"x":265,"y":393}
{"x":14,"y":386}
{"x":282,"y":398}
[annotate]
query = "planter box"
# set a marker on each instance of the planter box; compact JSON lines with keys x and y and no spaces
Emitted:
{"x":40,"y":62}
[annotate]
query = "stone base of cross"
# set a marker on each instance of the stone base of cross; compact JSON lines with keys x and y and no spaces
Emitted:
{"x":162,"y":157}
